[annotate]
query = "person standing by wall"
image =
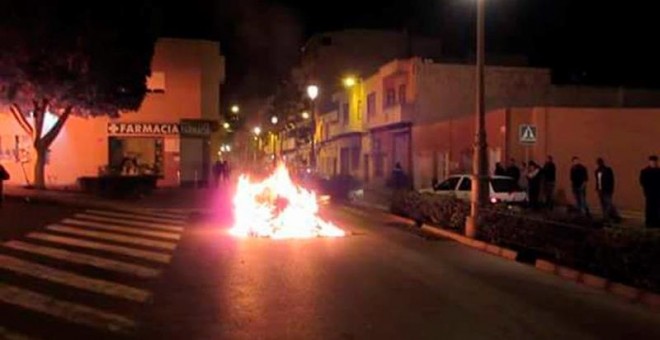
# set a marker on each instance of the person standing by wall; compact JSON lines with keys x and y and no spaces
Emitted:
{"x":579,"y":179}
{"x":649,"y":178}
{"x":605,"y":189}
{"x":549,"y":182}
{"x":513,"y":171}
{"x":4,"y":176}
{"x":534,"y":180}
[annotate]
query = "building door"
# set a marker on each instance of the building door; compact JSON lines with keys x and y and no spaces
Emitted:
{"x":344,"y":160}
{"x":401,"y":149}
{"x":192,"y":161}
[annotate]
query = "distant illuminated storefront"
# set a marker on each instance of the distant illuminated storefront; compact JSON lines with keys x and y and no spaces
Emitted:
{"x":174,"y":135}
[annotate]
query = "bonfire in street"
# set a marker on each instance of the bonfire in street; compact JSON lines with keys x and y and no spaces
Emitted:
{"x":278,"y":208}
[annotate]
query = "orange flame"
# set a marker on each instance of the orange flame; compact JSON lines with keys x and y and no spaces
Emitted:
{"x":278,"y":209}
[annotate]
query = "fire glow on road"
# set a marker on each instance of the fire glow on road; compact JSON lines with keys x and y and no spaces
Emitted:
{"x":279,"y":209}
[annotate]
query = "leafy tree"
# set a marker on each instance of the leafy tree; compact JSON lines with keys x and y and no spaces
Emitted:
{"x":72,"y":58}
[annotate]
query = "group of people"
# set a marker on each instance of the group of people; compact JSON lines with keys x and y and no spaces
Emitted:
{"x":221,"y":172}
{"x":540,"y":183}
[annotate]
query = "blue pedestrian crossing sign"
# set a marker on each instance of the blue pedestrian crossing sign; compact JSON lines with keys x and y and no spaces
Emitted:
{"x":527,"y":134}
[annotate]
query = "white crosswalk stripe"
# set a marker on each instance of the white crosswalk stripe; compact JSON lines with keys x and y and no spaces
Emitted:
{"x":145,"y":225}
{"x":111,"y":248}
{"x":79,"y":258}
{"x":126,"y":230}
{"x":75,"y":313}
{"x":129,"y":222}
{"x":113,"y":237}
{"x":96,"y":239}
{"x":139,"y":217}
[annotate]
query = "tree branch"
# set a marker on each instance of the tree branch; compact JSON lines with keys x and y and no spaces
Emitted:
{"x":38,"y":113}
{"x":20,"y":118}
{"x":52,"y":134}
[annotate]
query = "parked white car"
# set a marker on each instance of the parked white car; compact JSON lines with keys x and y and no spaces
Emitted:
{"x":502,"y":189}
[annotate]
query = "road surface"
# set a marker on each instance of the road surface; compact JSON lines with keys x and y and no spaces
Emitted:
{"x":156,"y":274}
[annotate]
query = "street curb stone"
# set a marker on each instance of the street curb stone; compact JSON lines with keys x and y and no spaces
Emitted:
{"x":546,"y":266}
{"x":568,"y":273}
{"x":593,"y":281}
{"x":624,"y":291}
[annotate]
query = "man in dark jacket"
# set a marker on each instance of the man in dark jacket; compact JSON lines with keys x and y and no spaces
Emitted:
{"x":513,"y":171}
{"x":649,"y":178}
{"x":549,"y":181}
{"x":579,"y":178}
{"x":4,"y":176}
{"x":605,"y":189}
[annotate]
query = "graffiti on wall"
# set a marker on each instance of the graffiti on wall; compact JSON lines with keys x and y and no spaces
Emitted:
{"x":15,"y":148}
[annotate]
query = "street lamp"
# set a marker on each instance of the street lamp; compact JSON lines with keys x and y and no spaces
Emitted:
{"x":257,"y":131}
{"x":480,"y":190}
{"x":235,"y":109}
{"x":313,"y":92}
{"x":305,"y":115}
{"x":274,"y":120}
{"x":349,"y":81}
{"x":226,"y":125}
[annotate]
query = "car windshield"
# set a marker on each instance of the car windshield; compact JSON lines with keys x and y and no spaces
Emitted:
{"x":504,"y":185}
{"x":449,"y":184}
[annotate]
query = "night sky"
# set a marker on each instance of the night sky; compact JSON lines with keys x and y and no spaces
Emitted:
{"x":584,"y":41}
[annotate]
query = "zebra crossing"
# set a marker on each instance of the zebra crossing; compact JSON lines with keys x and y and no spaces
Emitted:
{"x":84,"y":269}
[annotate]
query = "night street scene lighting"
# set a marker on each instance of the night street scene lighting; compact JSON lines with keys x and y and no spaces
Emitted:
{"x":457,"y":169}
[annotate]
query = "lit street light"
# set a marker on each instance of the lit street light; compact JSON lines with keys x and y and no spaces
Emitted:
{"x":349,"y":81}
{"x":312,"y":91}
{"x":274,"y":120}
{"x":235,"y":109}
{"x":226,"y":125}
{"x":257,"y":131}
{"x":305,"y":115}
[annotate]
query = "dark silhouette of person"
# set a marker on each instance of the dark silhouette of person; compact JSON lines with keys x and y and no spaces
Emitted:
{"x":579,"y":178}
{"x":218,"y":170}
{"x":549,"y":182}
{"x":4,"y":176}
{"x":604,"y":178}
{"x":499,"y":169}
{"x":398,"y":176}
{"x":513,"y":171}
{"x":534,"y":180}
{"x":649,"y":179}
{"x":226,"y":170}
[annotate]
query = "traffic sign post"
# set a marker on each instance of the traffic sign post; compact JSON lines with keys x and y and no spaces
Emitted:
{"x":527,"y":134}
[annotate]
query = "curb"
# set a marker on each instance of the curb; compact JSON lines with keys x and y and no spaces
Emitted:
{"x":632,"y":294}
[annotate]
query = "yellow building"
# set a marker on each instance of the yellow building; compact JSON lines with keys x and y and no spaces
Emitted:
{"x":174,"y":133}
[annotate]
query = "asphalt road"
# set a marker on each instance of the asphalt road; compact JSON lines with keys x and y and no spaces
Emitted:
{"x":383,"y":282}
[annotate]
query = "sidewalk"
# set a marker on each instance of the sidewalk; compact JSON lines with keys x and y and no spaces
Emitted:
{"x":166,"y":199}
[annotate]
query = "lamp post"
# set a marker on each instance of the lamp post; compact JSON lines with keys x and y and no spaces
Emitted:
{"x":257,"y":138}
{"x":313,"y":92}
{"x":480,"y":190}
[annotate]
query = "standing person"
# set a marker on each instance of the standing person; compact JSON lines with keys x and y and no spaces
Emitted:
{"x":605,"y":189}
{"x":499,"y":169}
{"x":4,"y":176}
{"x":534,"y":179}
{"x":649,"y":178}
{"x":579,"y":179}
{"x":513,"y":171}
{"x":549,"y":182}
{"x":226,"y":170}
{"x":524,"y":170}
{"x":217,"y":172}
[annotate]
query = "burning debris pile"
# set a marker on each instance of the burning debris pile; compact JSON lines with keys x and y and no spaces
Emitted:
{"x":279,"y":209}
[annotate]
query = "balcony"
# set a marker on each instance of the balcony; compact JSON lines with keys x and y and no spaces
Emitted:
{"x":400,"y":113}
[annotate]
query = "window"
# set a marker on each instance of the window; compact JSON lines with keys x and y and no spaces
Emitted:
{"x":156,"y":82}
{"x":371,"y":105}
{"x":447,"y":185}
{"x":345,"y":113}
{"x":466,"y":184}
{"x":504,"y":185}
{"x":402,"y":94}
{"x":390,"y":97}
{"x":355,"y":158}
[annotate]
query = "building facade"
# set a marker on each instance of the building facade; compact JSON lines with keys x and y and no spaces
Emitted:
{"x":173,"y":135}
